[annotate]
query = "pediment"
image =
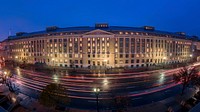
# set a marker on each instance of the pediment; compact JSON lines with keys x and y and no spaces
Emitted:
{"x":98,"y":32}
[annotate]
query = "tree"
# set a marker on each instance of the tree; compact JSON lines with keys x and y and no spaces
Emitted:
{"x":186,"y":76}
{"x":116,"y":102}
{"x":121,"y":103}
{"x":54,"y":94}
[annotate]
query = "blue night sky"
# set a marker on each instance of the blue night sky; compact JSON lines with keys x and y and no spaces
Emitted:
{"x":35,"y":15}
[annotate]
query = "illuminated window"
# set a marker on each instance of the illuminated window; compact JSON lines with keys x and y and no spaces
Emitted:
{"x":80,"y":39}
{"x":108,"y":44}
{"x":116,"y":50}
{"x":76,"y":55}
{"x":102,"y":39}
{"x":70,"y":44}
{"x":88,"y":39}
{"x":108,"y":39}
{"x":147,"y":49}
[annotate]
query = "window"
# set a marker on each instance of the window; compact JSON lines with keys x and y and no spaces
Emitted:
{"x":76,"y":55}
{"x":126,"y":61}
{"x":121,"y":55}
{"x":132,"y":55}
{"x":127,"y":55}
{"x":132,"y":61}
{"x":142,"y":60}
{"x":70,"y":55}
{"x":138,"y":61}
{"x":76,"y":61}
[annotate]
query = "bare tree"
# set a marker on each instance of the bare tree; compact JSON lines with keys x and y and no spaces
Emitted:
{"x":186,"y":76}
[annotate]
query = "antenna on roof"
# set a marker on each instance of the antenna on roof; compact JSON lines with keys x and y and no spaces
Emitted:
{"x":9,"y":32}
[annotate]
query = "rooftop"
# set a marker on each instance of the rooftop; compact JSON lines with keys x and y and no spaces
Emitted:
{"x":149,"y":30}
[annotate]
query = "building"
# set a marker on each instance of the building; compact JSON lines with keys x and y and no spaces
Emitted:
{"x":100,"y":46}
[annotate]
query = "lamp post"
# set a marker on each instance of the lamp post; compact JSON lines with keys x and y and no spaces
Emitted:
{"x":191,"y":57}
{"x":96,"y":91}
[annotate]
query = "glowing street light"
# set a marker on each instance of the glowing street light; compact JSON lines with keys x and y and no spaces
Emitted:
{"x":5,"y":73}
{"x":105,"y":81}
{"x":55,"y":78}
{"x":96,"y":91}
{"x":191,"y":55}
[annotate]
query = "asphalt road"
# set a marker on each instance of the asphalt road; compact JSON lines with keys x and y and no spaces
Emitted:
{"x":141,"y":88}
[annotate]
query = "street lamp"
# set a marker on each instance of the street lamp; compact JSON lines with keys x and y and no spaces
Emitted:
{"x":56,"y":78}
{"x":5,"y":73}
{"x":191,"y":57}
{"x":96,"y":91}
